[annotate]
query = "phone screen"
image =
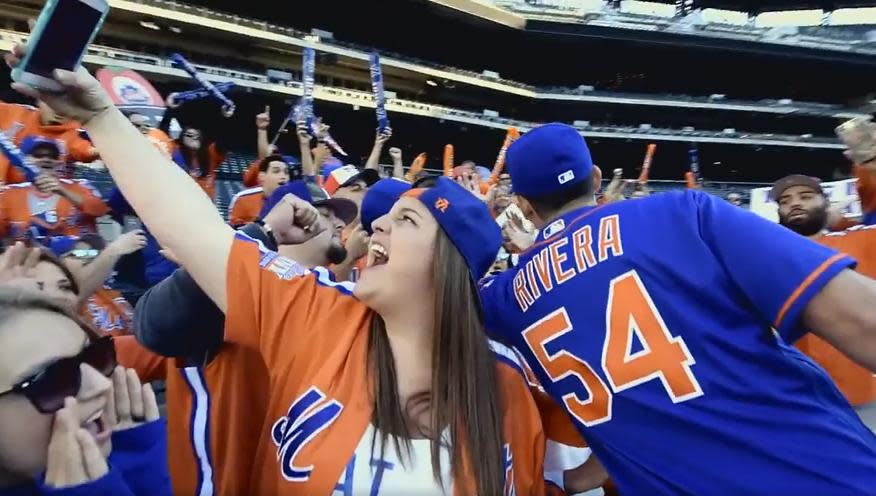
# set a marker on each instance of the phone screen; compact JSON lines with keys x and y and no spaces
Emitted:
{"x":63,"y":38}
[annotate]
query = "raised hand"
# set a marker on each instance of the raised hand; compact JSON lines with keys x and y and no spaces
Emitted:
{"x":515,"y":236}
{"x":73,"y":455}
{"x":82,"y":98}
{"x":47,"y":183}
{"x":17,"y":265}
{"x":129,"y":242}
{"x":130,"y":403}
{"x":302,"y":132}
{"x":263,"y":120}
{"x":395,"y":153}
{"x":471,"y":182}
{"x":383,"y":136}
{"x":294,"y":221}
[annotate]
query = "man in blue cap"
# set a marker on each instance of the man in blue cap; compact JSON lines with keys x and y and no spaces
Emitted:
{"x":52,"y":205}
{"x":660,"y":327}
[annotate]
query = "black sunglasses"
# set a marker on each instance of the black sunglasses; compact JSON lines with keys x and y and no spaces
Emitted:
{"x":48,"y":388}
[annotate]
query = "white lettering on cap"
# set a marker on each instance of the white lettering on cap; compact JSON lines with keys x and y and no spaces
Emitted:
{"x":566,"y":177}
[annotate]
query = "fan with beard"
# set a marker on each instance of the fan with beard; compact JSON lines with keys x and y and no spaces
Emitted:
{"x":813,"y":222}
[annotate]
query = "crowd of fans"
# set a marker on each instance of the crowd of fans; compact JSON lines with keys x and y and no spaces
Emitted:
{"x":281,"y":376}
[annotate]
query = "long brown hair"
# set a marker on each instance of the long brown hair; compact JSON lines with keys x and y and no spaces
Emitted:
{"x":464,"y":395}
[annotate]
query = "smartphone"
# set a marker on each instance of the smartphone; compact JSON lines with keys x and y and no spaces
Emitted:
{"x":859,"y":135}
{"x":62,"y":33}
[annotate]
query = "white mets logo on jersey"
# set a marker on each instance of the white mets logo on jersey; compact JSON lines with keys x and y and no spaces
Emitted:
{"x":309,"y":415}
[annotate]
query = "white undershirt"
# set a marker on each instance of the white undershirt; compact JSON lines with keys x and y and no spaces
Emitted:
{"x":389,"y":476}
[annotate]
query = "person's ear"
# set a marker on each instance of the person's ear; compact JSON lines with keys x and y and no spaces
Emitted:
{"x":261,"y":177}
{"x":597,"y":178}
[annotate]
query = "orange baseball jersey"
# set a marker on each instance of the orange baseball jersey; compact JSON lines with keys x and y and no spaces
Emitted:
{"x":313,"y":336}
{"x":214,"y":416}
{"x":251,"y":174}
{"x":25,"y":212}
{"x":21,"y":121}
{"x":246,"y":206}
{"x":856,"y":383}
{"x":207,"y":181}
{"x":109,"y":312}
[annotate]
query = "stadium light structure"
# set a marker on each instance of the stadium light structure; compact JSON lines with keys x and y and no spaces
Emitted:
{"x":150,"y":25}
{"x":864,"y":15}
{"x":722,"y":16}
{"x":647,"y":8}
{"x":783,"y":18}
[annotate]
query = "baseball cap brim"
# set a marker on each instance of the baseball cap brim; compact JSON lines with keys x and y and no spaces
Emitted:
{"x":795,"y":180}
{"x":344,"y":209}
{"x":369,"y":176}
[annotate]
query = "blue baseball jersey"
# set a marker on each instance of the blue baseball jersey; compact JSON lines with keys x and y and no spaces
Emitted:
{"x":661,"y":324}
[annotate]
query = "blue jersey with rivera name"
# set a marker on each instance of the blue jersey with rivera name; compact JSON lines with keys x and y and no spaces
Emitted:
{"x":651,"y":321}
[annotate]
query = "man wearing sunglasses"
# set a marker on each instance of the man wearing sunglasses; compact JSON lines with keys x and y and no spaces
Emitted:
{"x":51,"y":206}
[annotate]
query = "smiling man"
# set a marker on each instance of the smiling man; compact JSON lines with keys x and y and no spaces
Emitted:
{"x":246,"y":205}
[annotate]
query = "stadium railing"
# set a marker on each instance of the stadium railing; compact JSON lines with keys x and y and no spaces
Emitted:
{"x":414,"y":64}
{"x":102,"y":55}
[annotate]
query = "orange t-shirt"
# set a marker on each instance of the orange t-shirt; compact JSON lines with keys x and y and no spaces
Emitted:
{"x":109,"y":312}
{"x":162,"y":141}
{"x":24,"y":211}
{"x":21,"y":121}
{"x":246,"y":206}
{"x":207,"y":181}
{"x":313,"y":335}
{"x":214,"y":415}
{"x":856,"y":383}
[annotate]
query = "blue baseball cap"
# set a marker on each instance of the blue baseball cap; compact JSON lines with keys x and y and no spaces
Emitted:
{"x":31,"y":143}
{"x":466,"y":221}
{"x":548,"y":159}
{"x":380,"y":198}
{"x":344,"y":209}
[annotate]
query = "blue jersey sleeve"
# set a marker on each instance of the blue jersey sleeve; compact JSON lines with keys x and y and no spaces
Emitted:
{"x":495,"y":292}
{"x":777,"y":269}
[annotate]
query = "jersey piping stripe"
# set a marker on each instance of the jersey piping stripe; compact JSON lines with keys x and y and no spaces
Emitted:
{"x":324,"y":278}
{"x":805,"y":284}
{"x":199,"y":430}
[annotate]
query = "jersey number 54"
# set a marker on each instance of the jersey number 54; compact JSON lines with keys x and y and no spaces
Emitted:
{"x":629,"y":311}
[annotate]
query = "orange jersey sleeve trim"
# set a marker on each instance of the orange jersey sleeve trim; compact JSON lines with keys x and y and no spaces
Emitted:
{"x":803,"y":285}
{"x":131,"y":354}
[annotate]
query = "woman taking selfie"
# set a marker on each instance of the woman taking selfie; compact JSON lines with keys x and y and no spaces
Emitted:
{"x":64,"y":404}
{"x":391,"y":384}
